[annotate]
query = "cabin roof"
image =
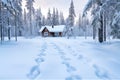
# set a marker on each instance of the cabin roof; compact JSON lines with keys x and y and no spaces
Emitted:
{"x":59,"y":28}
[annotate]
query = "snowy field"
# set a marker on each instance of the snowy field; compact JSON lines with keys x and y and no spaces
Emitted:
{"x":59,"y":59}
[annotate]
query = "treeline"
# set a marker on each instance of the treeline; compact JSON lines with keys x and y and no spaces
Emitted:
{"x":105,"y":20}
{"x":17,"y":22}
{"x":33,"y":22}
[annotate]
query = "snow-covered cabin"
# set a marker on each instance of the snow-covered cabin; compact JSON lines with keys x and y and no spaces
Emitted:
{"x":53,"y":31}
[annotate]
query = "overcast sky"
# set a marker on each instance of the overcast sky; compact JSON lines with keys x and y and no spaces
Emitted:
{"x":61,"y":5}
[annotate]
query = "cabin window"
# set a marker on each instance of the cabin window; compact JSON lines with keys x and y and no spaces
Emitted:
{"x":57,"y":34}
{"x":45,"y":34}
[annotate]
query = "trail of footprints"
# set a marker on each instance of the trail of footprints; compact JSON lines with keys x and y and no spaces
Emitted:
{"x":35,"y":71}
{"x":69,"y":68}
{"x":99,"y":72}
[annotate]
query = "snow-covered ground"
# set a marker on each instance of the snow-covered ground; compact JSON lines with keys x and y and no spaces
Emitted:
{"x":59,"y":59}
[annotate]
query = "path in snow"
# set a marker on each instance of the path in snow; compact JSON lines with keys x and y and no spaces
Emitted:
{"x":59,"y":59}
{"x":64,"y":61}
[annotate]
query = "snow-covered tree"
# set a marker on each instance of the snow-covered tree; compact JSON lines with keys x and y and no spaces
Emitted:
{"x":49,"y":18}
{"x":80,"y":24}
{"x":11,"y":12}
{"x":43,"y":21}
{"x":25,"y":17}
{"x":30,"y":8}
{"x":70,"y":20}
{"x":57,"y":17}
{"x":25,"y":23}
{"x":38,"y":21}
{"x":39,"y":18}
{"x":62,"y":20}
{"x":53,"y":17}
{"x":19,"y":19}
{"x":83,"y":27}
{"x":95,"y":5}
{"x":116,"y":26}
{"x":71,"y":14}
{"x":103,"y":12}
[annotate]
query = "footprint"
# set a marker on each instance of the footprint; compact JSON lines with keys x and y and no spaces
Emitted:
{"x":65,"y":62}
{"x":64,"y":58}
{"x":75,"y":54}
{"x":69,"y":47}
{"x":41,"y":54}
{"x":42,"y":50}
{"x":74,"y":77}
{"x":39,"y":60}
{"x":61,"y":52}
{"x":80,"y":57}
{"x":34,"y":72}
{"x":101,"y":73}
{"x":69,"y":67}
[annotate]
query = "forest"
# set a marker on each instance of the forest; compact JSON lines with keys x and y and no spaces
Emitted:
{"x":103,"y":24}
{"x":87,"y":48}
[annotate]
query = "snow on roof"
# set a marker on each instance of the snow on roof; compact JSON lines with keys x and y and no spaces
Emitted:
{"x":59,"y":28}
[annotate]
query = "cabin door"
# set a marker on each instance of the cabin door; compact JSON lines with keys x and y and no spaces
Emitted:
{"x":45,"y":34}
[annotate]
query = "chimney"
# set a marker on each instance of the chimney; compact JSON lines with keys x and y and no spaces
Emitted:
{"x":52,"y":26}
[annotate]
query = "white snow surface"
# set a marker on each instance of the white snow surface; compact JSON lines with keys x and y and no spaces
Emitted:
{"x":59,"y":59}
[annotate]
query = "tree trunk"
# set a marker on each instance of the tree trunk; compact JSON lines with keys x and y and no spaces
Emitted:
{"x":9,"y":29}
{"x":15,"y":26}
{"x":100,"y":30}
{"x":3,"y":29}
{"x":1,"y":32}
{"x":100,"y":35}
{"x":9,"y":34}
{"x":104,"y":20}
{"x":1,"y":20}
{"x":31,"y":21}
{"x":94,"y":32}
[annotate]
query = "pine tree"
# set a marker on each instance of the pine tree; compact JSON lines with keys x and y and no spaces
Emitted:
{"x":49,"y":18}
{"x":71,"y":14}
{"x":80,"y":23}
{"x":53,"y":18}
{"x":43,"y":21}
{"x":57,"y":17}
{"x":25,"y":17}
{"x":70,"y":20}
{"x":62,"y":21}
{"x":18,"y":19}
{"x":39,"y":18}
{"x":103,"y":12}
{"x":30,"y":8}
{"x":25,"y":23}
{"x":11,"y":12}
